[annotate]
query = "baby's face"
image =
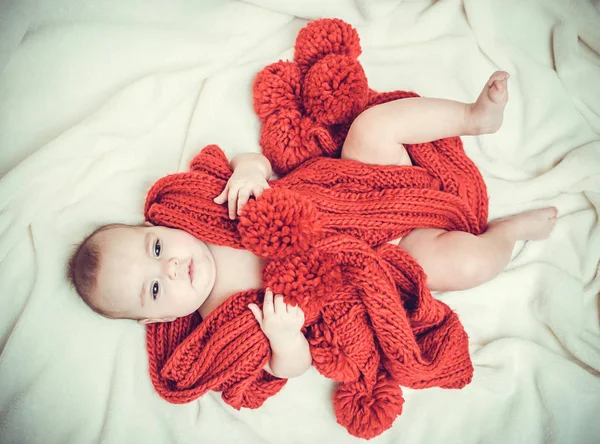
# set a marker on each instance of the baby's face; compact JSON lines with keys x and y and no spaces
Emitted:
{"x":153,"y":273}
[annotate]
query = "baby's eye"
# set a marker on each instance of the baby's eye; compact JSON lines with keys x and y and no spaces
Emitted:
{"x":157,"y":248}
{"x":155,"y":290}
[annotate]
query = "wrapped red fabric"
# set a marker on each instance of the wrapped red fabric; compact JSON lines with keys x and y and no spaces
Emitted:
{"x":323,"y":229}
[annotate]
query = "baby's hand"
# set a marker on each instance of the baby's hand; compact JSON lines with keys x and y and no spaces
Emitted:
{"x":279,"y":322}
{"x":245,"y":181}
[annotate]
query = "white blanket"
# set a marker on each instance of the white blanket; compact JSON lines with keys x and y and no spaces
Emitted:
{"x":100,"y":99}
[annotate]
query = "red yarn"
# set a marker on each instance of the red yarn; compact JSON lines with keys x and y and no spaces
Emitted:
{"x":372,"y":411}
{"x":329,"y":84}
{"x":323,"y":37}
{"x":298,"y":103}
{"x":279,"y":224}
{"x":371,"y":321}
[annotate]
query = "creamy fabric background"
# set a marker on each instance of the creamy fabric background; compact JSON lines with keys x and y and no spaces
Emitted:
{"x":98,"y":99}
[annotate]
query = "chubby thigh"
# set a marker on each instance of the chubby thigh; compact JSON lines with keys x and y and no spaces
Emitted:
{"x":452,"y":260}
{"x":423,"y":245}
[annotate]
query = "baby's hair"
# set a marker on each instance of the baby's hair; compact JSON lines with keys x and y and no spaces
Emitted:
{"x":82,"y":269}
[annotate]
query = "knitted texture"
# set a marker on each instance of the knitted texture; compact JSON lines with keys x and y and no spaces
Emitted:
{"x":371,"y":322}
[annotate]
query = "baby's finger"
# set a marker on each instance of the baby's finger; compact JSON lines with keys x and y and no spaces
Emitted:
{"x":268,"y":302}
{"x":232,"y":200}
{"x":243,"y":197}
{"x":257,"y":191}
{"x":279,"y":305}
{"x":222,"y":198}
{"x":257,"y":313}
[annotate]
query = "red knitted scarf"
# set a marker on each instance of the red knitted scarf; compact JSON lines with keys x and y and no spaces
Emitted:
{"x":323,"y":228}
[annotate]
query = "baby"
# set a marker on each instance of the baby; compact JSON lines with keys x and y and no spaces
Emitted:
{"x":157,"y":274}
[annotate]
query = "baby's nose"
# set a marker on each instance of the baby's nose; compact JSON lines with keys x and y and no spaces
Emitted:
{"x":174,"y":268}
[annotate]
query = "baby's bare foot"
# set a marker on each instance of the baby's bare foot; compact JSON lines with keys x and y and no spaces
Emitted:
{"x":485,"y":115}
{"x":530,"y":225}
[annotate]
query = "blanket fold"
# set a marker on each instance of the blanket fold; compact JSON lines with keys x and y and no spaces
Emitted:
{"x":323,"y":229}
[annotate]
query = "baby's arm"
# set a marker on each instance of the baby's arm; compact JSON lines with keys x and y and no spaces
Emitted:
{"x":253,"y":161}
{"x":250,"y":174}
{"x":281,"y":324}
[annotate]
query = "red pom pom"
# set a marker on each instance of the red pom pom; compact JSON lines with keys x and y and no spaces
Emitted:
{"x":277,"y":87}
{"x":288,"y":140}
{"x":308,"y":279}
{"x":279,"y":223}
{"x":365,"y":413}
{"x":335,"y":90}
{"x":323,"y":37}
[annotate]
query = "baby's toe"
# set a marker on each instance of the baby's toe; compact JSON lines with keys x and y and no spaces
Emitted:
{"x":498,"y":76}
{"x":498,"y":92}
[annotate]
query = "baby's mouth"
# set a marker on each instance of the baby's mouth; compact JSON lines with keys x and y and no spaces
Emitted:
{"x":191,"y":270}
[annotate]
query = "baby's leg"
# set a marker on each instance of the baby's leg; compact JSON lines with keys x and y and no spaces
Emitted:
{"x":377,"y":135}
{"x":455,"y":260}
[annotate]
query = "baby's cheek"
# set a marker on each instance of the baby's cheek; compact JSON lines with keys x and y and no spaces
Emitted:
{"x":195,"y":295}
{"x":177,"y":293}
